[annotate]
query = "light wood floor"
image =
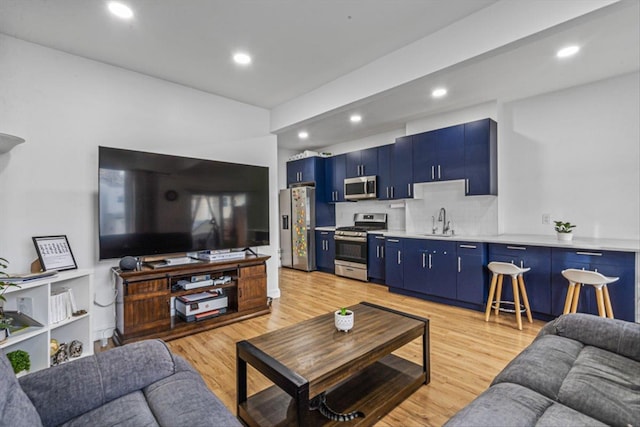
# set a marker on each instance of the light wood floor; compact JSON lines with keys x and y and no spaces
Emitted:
{"x":466,"y":351}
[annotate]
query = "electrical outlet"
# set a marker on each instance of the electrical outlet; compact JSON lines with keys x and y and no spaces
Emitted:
{"x":546,"y":218}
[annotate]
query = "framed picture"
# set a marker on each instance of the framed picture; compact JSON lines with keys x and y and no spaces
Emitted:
{"x":54,"y":253}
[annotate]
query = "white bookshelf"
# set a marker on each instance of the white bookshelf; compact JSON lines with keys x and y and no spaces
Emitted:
{"x":36,"y":340}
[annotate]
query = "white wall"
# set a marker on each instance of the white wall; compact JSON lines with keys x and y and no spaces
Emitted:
{"x":574,"y":154}
{"x":65,"y":107}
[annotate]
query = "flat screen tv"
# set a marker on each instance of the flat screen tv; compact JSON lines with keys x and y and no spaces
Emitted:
{"x":152,"y":204}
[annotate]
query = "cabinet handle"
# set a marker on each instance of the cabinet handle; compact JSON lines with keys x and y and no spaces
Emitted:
{"x":589,"y":253}
{"x":430,"y":264}
{"x":466,"y":186}
{"x":409,"y":189}
{"x":379,"y":237}
{"x":324,"y":233}
{"x":519,"y":248}
{"x":387,"y":192}
{"x":521,"y":264}
{"x":382,"y":251}
{"x":423,"y":260}
{"x":459,"y":265}
{"x":469,"y":246}
{"x":399,"y":257}
{"x":377,"y":251}
{"x":433,"y":174}
{"x":393,"y":240}
{"x":439,"y":175}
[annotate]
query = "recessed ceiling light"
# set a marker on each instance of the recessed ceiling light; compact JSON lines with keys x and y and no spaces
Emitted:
{"x":303,"y":135}
{"x":439,"y":93}
{"x":242,"y":58}
{"x":121,"y":10}
{"x":567,"y":51}
{"x":355,"y":118}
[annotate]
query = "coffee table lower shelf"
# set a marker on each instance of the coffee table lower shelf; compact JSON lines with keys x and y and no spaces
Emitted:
{"x":374,"y":391}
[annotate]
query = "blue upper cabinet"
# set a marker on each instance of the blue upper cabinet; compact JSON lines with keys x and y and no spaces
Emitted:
{"x":395,"y":170}
{"x":439,"y":155}
{"x":362,"y":163}
{"x":336,"y":173}
{"x":304,"y":170}
{"x":402,"y":168}
{"x":481,"y":158}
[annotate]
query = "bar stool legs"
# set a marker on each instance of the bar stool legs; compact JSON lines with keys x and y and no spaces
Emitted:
{"x":577,"y":279}
{"x":499,"y":270}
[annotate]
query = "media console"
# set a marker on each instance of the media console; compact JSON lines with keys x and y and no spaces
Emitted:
{"x":144,"y":304}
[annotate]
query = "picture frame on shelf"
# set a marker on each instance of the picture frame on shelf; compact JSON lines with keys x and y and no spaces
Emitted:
{"x":54,"y":253}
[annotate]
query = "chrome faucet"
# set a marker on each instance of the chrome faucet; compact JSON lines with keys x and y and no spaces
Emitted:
{"x":442,"y":217}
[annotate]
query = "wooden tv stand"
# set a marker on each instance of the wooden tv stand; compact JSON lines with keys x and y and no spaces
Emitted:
{"x":145,"y":297}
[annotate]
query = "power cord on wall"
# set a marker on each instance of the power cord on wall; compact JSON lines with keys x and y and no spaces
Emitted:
{"x":109,"y":304}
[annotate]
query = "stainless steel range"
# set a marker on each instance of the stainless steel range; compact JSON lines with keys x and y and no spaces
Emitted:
{"x":351,"y":245}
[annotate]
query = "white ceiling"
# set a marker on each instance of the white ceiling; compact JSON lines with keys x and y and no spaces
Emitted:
{"x":299,"y":45}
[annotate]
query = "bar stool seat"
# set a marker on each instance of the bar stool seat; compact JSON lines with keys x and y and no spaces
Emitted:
{"x":499,"y":270}
{"x":578,"y":278}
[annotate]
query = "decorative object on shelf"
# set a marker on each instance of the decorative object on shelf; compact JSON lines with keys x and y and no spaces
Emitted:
{"x":54,"y":253}
{"x":20,"y":360}
{"x":61,"y":356}
{"x":344,"y":319}
{"x":75,"y":349}
{"x":7,"y":142}
{"x":53,"y":347}
{"x":564,"y":230}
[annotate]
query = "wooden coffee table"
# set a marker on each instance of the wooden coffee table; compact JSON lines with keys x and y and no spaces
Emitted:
{"x":315,"y":367}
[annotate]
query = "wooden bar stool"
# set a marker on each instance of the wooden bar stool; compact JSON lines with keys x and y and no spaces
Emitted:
{"x":578,"y":278}
{"x":499,"y":270}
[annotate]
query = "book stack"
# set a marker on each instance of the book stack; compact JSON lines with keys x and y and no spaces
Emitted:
{"x":61,"y":305}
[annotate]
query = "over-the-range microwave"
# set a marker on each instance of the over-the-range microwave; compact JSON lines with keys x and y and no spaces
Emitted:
{"x":362,"y":187}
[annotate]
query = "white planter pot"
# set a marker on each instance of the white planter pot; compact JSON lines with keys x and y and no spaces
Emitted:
{"x":344,"y":322}
{"x":566,"y":237}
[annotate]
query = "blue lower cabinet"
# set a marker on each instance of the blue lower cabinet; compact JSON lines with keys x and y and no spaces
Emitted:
{"x":472,"y":272}
{"x":537,"y":280}
{"x":608,"y":263}
{"x":325,"y":251}
{"x":393,"y":262}
{"x":375,"y":258}
{"x":430,"y":267}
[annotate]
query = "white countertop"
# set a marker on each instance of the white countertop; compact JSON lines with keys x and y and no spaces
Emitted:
{"x":603,"y":244}
{"x":625,"y":245}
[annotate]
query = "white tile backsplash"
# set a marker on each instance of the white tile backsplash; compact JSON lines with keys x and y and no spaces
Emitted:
{"x":469,"y":216}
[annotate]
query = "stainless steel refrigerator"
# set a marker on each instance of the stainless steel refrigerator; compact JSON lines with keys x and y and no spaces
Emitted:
{"x":297,"y":228}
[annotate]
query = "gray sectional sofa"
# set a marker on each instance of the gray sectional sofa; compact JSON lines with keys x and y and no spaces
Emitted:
{"x":581,"y":370}
{"x":140,"y":384}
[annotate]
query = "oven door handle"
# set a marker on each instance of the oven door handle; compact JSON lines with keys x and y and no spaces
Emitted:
{"x":350,"y":239}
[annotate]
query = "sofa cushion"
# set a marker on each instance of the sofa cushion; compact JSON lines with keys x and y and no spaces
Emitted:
{"x":543,"y":365}
{"x":16,"y":409}
{"x":87,"y":383}
{"x":128,"y":410}
{"x":513,"y":405}
{"x":605,"y":386}
{"x":558,"y":415}
{"x":617,"y":336}
{"x":184,"y":399}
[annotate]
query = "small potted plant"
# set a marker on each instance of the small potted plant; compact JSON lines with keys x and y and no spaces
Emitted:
{"x":20,"y":361}
{"x":344,"y":319}
{"x":564,"y":230}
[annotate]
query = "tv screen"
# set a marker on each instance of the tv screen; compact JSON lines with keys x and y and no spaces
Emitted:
{"x":153,"y":204}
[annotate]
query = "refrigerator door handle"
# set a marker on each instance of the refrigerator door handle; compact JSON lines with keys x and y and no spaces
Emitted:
{"x":285,"y":222}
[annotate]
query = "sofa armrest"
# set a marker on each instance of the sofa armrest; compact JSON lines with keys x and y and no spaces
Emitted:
{"x":618,"y":336}
{"x":63,"y":392}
